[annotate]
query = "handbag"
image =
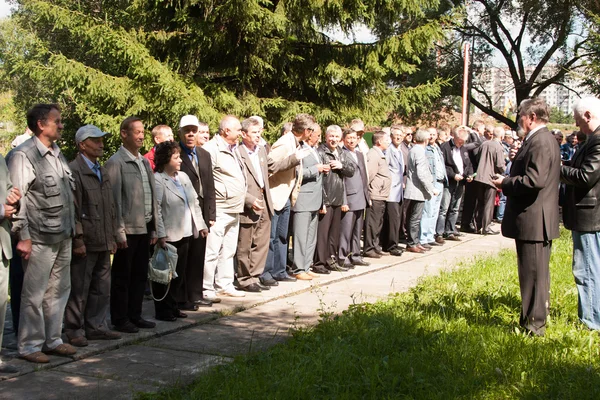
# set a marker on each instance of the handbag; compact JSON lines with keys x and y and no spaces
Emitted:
{"x":161,"y":267}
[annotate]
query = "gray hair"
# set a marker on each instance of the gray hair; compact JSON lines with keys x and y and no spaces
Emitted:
{"x":498,"y":132}
{"x":537,"y":106}
{"x":333,"y":128}
{"x":249,"y":123}
{"x":590,"y":104}
{"x":422,"y":136}
{"x":461,"y":132}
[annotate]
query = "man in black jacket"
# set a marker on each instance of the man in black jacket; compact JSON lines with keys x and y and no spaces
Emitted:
{"x":581,"y":211}
{"x":459,"y":170}
{"x":196,"y":163}
{"x":334,"y":196}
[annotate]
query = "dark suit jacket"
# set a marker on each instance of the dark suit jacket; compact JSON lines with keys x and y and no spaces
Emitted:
{"x":357,"y":185}
{"x":451,"y":168}
{"x":249,"y":216}
{"x":532,"y":190}
{"x":581,"y":211}
{"x":207,"y":203}
{"x":491,"y":162}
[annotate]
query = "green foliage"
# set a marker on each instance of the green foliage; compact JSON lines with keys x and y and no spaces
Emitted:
{"x":103,"y":61}
{"x":452,"y":336}
{"x":558,"y":117}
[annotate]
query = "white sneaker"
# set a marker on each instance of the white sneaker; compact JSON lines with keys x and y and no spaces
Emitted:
{"x":212,"y":297}
{"x":232,"y":293}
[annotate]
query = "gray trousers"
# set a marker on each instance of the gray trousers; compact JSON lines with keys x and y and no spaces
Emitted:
{"x":89,"y":301}
{"x":305,"y":240}
{"x":46,"y":288}
{"x":3,"y":294}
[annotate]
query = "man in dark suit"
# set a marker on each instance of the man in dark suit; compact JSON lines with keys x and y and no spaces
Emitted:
{"x":472,"y":145}
{"x":357,"y":199}
{"x":581,"y":211}
{"x":196,"y":164}
{"x":531,"y":215}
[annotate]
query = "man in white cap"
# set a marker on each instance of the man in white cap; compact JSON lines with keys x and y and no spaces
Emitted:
{"x":94,"y":242}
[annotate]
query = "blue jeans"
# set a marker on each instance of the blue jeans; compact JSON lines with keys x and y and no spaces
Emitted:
{"x":586,"y":270}
{"x":430,"y":215}
{"x":278,"y":244}
{"x":501,"y":206}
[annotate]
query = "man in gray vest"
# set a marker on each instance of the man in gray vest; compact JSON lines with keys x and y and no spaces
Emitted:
{"x":44,"y":226}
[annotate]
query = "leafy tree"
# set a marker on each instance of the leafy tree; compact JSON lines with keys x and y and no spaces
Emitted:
{"x":104,"y":60}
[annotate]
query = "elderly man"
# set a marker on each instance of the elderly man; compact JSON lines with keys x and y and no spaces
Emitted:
{"x":135,"y":207}
{"x":472,"y":144}
{"x":334,"y":197}
{"x":380,"y":182}
{"x":458,"y":170}
{"x":531,"y":216}
{"x":419,"y":187}
{"x":431,"y":208}
{"x":581,"y":211}
{"x":45,"y":227}
{"x":203,"y":134}
{"x":491,"y":164}
{"x":197,"y":165}
{"x":9,"y":198}
{"x":160,"y":133}
{"x":391,"y":224}
{"x":94,"y":242}
{"x":358,"y":126}
{"x":284,"y":191}
{"x":230,"y":192}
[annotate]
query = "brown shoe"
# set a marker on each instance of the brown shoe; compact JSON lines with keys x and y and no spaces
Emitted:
{"x":38,"y":357}
{"x":415,"y":249}
{"x":313,"y":274}
{"x":303,"y":276}
{"x":79,"y":341}
{"x":453,"y":238}
{"x":440,"y":240}
{"x":63,"y":350}
{"x":104,"y":335}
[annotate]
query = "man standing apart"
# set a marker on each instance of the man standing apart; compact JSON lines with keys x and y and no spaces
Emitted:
{"x":581,"y":210}
{"x":9,"y":198}
{"x":531,"y":215}
{"x":45,"y":227}
{"x":132,"y":182}
{"x":94,"y":242}
{"x":230,"y":191}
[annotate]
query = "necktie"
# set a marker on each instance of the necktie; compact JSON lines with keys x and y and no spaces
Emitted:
{"x":96,"y":169}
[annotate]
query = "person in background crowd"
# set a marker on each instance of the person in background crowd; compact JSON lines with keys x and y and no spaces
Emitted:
{"x":255,"y":221}
{"x":380,"y":182}
{"x":581,"y":211}
{"x":160,"y":133}
{"x":558,"y":135}
{"x":197,"y":165}
{"x":40,"y":172}
{"x":357,"y":199}
{"x":470,"y":195}
{"x":21,"y":138}
{"x":203,"y":134}
{"x":9,"y":199}
{"x":419,"y":187}
{"x":431,"y":208}
{"x":488,"y":132}
{"x":286,"y":128}
{"x":405,"y":147}
{"x":531,"y":216}
{"x":230,"y":191}
{"x":358,"y":126}
{"x":334,"y":197}
{"x":458,"y":170}
{"x":284,"y":191}
{"x":491,"y":164}
{"x":95,"y":227}
{"x":133,"y":189}
{"x":179,"y":218}
{"x":391,"y":224}
{"x":261,"y":141}
{"x":568,"y":149}
{"x":305,"y":210}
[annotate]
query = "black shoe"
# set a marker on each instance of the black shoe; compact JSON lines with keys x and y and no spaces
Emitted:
{"x":396,"y":252}
{"x":336,"y":267}
{"x":8,"y":369}
{"x":434,"y":244}
{"x":167,"y":318}
{"x":142,"y":323}
{"x":180,"y":314}
{"x":252,"y":288}
{"x":203,"y":303}
{"x":188,"y":306}
{"x":425,"y":246}
{"x":127,"y":327}
{"x":360,"y":262}
{"x":286,"y":278}
{"x":263,"y":287}
{"x":468,"y":229}
{"x":269,"y":282}
{"x":319,"y":269}
{"x":348,"y":265}
{"x":372,"y":254}
{"x":488,"y":231}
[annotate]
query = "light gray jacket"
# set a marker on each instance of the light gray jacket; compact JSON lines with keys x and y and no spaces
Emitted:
{"x":419,"y":185}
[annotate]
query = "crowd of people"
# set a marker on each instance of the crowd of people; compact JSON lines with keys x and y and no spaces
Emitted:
{"x":229,"y":208}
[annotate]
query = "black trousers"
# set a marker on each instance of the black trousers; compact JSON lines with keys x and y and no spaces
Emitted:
{"x":469,"y":204}
{"x":15,"y":279}
{"x":534,"y":280}
{"x":404,"y":218}
{"x":390,"y":234}
{"x":485,"y":205}
{"x":128,"y":279}
{"x":191,"y":288}
{"x":328,"y":235}
{"x":373,"y":224}
{"x":167,"y":307}
{"x":415,"y":212}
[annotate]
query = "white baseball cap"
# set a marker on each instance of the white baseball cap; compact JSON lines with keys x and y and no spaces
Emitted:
{"x":188,"y":120}
{"x":88,"y":131}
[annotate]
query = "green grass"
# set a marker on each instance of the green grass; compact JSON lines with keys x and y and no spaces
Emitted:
{"x":452,"y":336}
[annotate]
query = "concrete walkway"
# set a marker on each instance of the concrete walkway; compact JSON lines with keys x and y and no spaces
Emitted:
{"x":176,"y":352}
